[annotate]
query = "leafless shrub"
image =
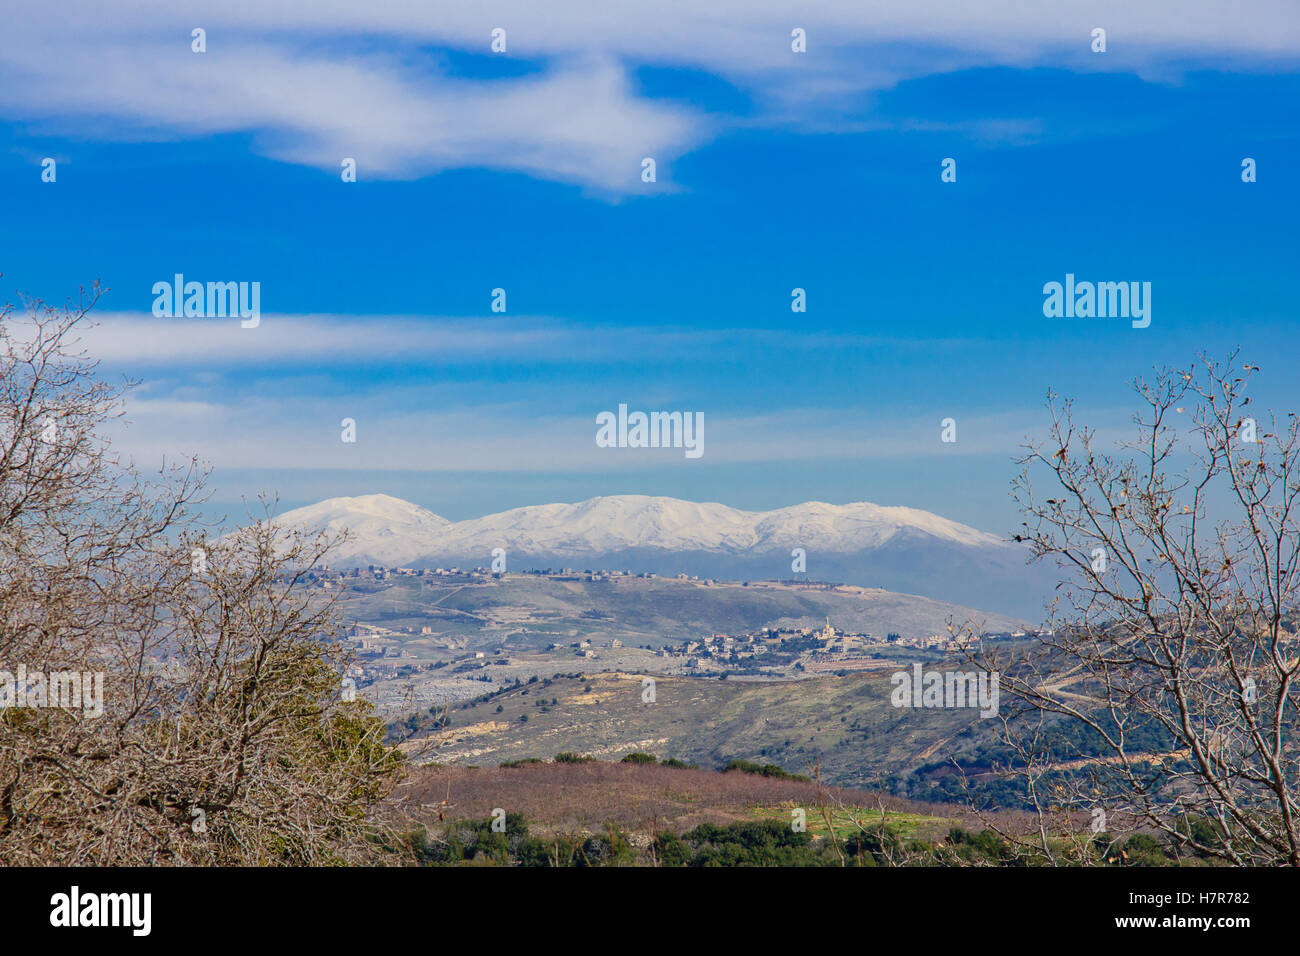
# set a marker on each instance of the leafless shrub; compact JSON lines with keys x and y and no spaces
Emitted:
{"x":1173,"y":651}
{"x":221,"y":739}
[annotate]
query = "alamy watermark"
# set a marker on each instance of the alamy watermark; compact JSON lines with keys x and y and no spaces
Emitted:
{"x":948,"y":689}
{"x":67,"y":690}
{"x":75,"y":908}
{"x":215,"y":300}
{"x":1102,"y":300}
{"x":652,"y":430}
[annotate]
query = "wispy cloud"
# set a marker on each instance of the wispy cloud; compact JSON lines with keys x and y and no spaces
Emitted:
{"x":313,"y":83}
{"x":580,"y":122}
{"x":443,"y":429}
{"x":138,"y":342}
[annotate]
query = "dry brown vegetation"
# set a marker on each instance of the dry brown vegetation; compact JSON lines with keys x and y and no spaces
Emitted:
{"x":219,"y":736}
{"x":569,"y":797}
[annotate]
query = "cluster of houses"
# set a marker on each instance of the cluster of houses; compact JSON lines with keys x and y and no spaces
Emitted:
{"x":586,"y":649}
{"x":813,"y":649}
{"x":323,"y":577}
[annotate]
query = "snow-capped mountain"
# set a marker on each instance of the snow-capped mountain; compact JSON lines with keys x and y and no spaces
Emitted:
{"x":901,"y":549}
{"x":623,"y":522}
{"x":382,"y":529}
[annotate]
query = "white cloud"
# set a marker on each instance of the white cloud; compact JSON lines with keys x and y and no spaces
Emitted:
{"x":314,"y":82}
{"x":137,"y":343}
{"x":402,"y":429}
{"x":579,"y":122}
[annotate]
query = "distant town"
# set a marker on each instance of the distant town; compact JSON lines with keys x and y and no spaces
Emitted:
{"x":403,"y":663}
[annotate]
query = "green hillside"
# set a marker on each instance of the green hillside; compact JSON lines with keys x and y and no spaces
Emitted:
{"x":846,"y":725}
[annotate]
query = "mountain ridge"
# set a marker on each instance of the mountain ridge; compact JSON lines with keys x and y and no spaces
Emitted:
{"x":607,"y":522}
{"x":895,"y":547}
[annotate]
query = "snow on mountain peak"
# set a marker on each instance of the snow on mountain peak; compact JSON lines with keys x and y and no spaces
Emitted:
{"x":393,"y":531}
{"x":380,"y":527}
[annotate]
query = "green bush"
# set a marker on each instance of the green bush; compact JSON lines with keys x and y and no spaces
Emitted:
{"x":765,"y":770}
{"x":568,"y":756}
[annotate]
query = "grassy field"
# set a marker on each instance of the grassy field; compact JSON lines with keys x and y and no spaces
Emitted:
{"x":845,"y":821}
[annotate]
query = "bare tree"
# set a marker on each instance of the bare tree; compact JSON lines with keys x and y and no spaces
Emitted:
{"x":164,"y":699}
{"x":1163,"y":697}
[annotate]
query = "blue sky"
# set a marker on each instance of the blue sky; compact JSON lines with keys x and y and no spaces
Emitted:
{"x":775,"y":170}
